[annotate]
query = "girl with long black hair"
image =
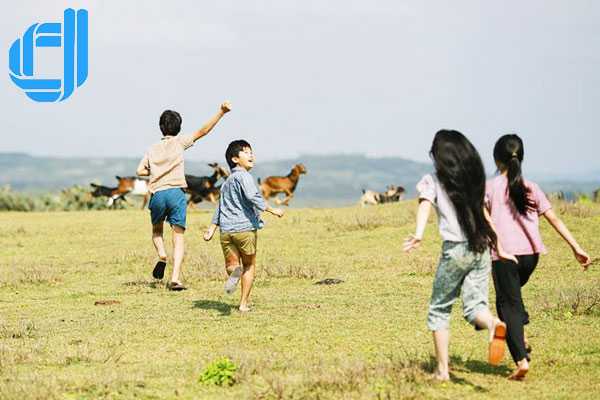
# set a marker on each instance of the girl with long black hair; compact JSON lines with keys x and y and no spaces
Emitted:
{"x":457,"y":190}
{"x":515,"y":205}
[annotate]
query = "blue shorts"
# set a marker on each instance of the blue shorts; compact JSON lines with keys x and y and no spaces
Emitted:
{"x":169,"y":204}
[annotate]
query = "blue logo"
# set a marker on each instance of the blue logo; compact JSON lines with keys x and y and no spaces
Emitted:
{"x":72,"y":36}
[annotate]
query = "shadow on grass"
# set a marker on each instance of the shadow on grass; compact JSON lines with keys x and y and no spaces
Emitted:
{"x":223,"y":308}
{"x":457,"y":363}
{"x":478,"y":366}
{"x":462,"y":381}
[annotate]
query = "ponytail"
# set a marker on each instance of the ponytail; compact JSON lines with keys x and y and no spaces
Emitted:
{"x":509,"y":152}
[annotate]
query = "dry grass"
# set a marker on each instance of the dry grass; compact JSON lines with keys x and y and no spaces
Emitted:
{"x":364,"y":338}
{"x":579,"y":210}
{"x":14,"y":275}
{"x":583,"y":299}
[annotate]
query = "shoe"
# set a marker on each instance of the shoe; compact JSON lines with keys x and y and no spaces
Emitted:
{"x":159,"y":270}
{"x":233,"y":280}
{"x":497,"y":344}
{"x":176,"y":287}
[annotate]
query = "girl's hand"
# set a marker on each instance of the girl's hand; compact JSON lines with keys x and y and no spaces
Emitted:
{"x":583,"y":258}
{"x":411,"y":243}
{"x":505,"y":256}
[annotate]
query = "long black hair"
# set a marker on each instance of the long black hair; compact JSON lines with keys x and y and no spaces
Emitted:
{"x":508,"y":153}
{"x":459,"y":169}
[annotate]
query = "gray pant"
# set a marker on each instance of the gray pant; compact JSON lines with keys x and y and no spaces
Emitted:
{"x":459,"y":269}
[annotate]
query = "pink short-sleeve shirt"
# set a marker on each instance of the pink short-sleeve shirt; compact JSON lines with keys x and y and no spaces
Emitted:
{"x":518,"y":234}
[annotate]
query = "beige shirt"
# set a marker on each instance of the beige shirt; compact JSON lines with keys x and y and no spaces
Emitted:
{"x":164,"y":160}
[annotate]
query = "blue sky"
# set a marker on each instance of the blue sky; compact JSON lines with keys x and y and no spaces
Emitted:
{"x":313,"y":77}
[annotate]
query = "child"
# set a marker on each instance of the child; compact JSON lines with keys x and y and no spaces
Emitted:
{"x":238,"y":216}
{"x":457,"y":192}
{"x":515,"y":205}
{"x":163,"y":163}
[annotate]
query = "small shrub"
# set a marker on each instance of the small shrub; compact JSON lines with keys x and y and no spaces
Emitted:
{"x":569,"y":302}
{"x":584,"y":209}
{"x":75,"y":198}
{"x":220,"y":373}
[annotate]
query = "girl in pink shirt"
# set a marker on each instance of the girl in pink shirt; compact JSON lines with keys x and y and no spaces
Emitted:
{"x":515,"y":205}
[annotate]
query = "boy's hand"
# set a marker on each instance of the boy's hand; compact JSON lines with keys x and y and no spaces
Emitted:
{"x":277,"y":211}
{"x":411,"y":243}
{"x":226,"y":107}
{"x":210,"y":232}
{"x":583,"y":258}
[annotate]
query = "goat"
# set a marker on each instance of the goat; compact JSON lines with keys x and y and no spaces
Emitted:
{"x":113,"y":194}
{"x":204,"y":187}
{"x":392,"y":194}
{"x":134,"y":185}
{"x":274,"y":185}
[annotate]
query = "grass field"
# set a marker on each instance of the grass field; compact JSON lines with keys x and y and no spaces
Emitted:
{"x":363,"y":338}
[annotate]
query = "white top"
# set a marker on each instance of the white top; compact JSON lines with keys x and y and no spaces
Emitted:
{"x":431,"y":189}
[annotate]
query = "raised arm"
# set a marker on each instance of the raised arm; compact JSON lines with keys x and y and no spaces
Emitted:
{"x":207,"y":127}
{"x":581,"y":256}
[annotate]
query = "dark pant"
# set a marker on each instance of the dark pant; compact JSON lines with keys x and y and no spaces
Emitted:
{"x":508,"y":280}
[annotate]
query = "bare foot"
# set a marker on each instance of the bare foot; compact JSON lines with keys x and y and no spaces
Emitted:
{"x":244,"y":309}
{"x":521,"y":371}
{"x":441,"y":376}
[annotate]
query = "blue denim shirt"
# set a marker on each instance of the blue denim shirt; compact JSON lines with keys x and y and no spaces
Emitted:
{"x":240,"y":204}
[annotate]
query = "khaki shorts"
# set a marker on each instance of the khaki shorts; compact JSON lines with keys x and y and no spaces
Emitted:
{"x":239,"y":243}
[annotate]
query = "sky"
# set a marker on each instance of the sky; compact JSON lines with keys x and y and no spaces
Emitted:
{"x":320,"y":77}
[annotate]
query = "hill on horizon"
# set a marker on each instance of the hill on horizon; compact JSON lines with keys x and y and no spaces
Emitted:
{"x":332,"y":180}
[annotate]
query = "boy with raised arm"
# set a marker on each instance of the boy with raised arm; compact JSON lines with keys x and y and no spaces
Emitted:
{"x":163,"y":163}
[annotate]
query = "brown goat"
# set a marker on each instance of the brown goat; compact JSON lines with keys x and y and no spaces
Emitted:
{"x":134,"y":185}
{"x":274,"y":185}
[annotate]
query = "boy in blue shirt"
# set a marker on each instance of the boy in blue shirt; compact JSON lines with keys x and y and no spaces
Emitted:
{"x":238,"y":216}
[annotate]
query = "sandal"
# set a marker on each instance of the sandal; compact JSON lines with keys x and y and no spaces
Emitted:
{"x":177,"y":287}
{"x":497,"y":345}
{"x":159,"y":270}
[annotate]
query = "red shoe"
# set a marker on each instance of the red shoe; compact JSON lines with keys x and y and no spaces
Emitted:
{"x":497,"y":345}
